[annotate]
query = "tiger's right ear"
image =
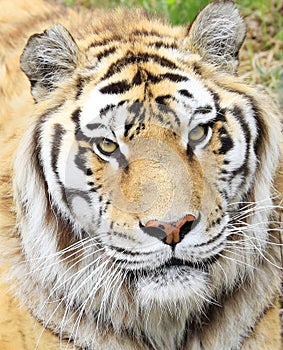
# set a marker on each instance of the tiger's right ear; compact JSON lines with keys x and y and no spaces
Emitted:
{"x":48,"y":59}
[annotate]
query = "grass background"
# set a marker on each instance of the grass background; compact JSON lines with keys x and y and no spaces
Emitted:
{"x":262,"y":53}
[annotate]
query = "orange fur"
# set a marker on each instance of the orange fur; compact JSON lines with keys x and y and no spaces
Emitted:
{"x":18,"y":330}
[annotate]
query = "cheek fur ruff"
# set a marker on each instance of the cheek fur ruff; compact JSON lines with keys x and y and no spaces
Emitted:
{"x":104,"y":278}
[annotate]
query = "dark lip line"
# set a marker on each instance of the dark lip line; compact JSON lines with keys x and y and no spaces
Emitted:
{"x":203,"y":264}
{"x":174,"y":262}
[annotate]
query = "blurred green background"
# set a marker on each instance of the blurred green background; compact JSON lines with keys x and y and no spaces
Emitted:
{"x":262,"y":53}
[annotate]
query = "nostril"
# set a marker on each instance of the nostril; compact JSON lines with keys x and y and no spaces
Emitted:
{"x":154,"y":231}
{"x":186,"y":228}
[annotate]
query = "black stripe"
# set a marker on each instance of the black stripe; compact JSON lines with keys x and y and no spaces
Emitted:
{"x":106,"y":206}
{"x":102,"y":112}
{"x":226,"y":141}
{"x":190,"y":152}
{"x":173,"y":77}
{"x":186,"y":93}
{"x":224,"y":194}
{"x":81,"y":161}
{"x":197,"y":68}
{"x":79,"y":86}
{"x":146,"y":33}
{"x":159,"y":116}
{"x":135,"y":59}
{"x":222,"y":131}
{"x":164,"y":108}
{"x":121,"y":159}
{"x":126,"y":251}
{"x":105,"y":42}
{"x":137,"y":109}
{"x":96,"y":188}
{"x":211,"y":240}
{"x":81,"y":82}
{"x":36,"y":154}
{"x":161,"y":99}
{"x":162,"y":44}
{"x":239,"y":115}
{"x":155,"y":79}
{"x":137,"y":80}
{"x":127,"y":129}
{"x":116,"y":88}
{"x":76,"y":118}
{"x":59,"y":132}
{"x":220,"y":115}
{"x":262,"y":134}
{"x":203,"y":110}
{"x":38,"y":163}
{"x":151,"y":78}
{"x":95,"y":126}
{"x":243,"y":169}
{"x":106,"y":53}
{"x":220,"y":112}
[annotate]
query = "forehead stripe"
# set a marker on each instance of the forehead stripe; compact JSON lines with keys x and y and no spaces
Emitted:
{"x":123,"y":86}
{"x":105,"y":42}
{"x":159,"y":44}
{"x":116,"y":88}
{"x":106,"y":53}
{"x":135,"y":59}
{"x":155,"y":79}
{"x":146,"y":33}
{"x":173,"y":77}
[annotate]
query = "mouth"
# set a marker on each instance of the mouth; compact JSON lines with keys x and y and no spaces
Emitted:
{"x":179,"y":262}
{"x":174,"y":265}
{"x":196,"y":265}
{"x":142,"y":264}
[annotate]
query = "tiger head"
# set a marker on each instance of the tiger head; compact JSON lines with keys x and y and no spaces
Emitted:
{"x":145,"y":176}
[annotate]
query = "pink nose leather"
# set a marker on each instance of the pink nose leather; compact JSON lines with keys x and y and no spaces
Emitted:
{"x":172,"y":231}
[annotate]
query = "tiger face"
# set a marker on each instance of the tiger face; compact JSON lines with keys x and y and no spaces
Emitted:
{"x":151,"y":181}
{"x":152,"y":165}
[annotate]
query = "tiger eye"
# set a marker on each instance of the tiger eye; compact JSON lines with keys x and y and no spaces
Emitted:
{"x":197,"y":134}
{"x":107,"y":147}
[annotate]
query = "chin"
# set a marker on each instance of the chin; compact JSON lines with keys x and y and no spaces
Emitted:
{"x":168,"y":287}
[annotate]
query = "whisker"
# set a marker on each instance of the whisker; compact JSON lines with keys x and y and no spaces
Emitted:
{"x":239,"y":262}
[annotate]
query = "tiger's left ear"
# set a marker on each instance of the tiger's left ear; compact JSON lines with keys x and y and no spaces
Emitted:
{"x":48,"y":59}
{"x":217,"y":34}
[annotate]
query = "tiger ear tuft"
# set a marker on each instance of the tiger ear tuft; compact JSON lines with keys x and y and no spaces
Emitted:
{"x":217,"y":34}
{"x":49,"y":58}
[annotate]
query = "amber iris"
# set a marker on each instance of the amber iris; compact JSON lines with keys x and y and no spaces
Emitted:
{"x":106,"y":146}
{"x":198,"y":133}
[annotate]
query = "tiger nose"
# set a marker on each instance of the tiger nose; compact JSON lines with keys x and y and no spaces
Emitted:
{"x":169,"y":233}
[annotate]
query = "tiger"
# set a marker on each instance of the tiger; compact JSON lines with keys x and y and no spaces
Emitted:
{"x":138,"y":203}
